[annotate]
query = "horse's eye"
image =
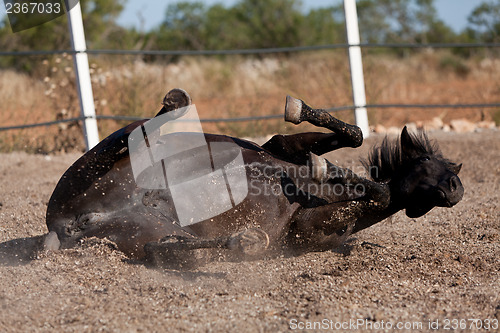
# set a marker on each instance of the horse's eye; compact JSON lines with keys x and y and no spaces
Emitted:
{"x":424,"y":158}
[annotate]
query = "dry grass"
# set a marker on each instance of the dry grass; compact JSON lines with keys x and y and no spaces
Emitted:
{"x":239,"y":86}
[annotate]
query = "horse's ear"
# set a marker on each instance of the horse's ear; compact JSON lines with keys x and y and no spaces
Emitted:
{"x":407,"y":144}
{"x":455,"y":168}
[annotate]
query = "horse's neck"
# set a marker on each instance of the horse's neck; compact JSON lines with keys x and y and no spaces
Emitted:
{"x":373,"y":216}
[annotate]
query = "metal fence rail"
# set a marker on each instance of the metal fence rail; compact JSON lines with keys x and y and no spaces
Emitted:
{"x":255,"y":51}
{"x":257,"y":118}
{"x":248,"y":52}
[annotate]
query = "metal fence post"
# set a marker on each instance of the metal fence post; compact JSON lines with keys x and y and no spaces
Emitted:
{"x":356,"y":65}
{"x":84,"y":84}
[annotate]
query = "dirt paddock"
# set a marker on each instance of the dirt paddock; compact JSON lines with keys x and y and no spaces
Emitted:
{"x":438,"y":271}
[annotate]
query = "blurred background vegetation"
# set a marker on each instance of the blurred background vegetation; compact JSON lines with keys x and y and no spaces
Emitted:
{"x":256,"y":24}
{"x":42,"y":88}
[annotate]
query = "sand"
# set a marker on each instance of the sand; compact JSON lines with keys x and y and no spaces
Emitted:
{"x":437,"y":271}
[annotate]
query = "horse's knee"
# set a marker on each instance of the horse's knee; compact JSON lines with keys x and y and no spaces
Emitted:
{"x":274,"y":141}
{"x":279,"y":145}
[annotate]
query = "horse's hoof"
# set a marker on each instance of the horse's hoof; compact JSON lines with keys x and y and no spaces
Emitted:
{"x":51,"y":241}
{"x":250,"y":242}
{"x":293,"y":110}
{"x":175,"y":99}
{"x":319,"y":167}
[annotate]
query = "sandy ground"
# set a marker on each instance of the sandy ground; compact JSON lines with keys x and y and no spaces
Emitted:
{"x":437,"y":271}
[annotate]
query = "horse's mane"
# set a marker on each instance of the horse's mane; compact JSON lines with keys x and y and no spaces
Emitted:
{"x":386,"y":159}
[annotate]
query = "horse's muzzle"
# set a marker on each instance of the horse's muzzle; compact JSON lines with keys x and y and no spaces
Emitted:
{"x":450,"y":191}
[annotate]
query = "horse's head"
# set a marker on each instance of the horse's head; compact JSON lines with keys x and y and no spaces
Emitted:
{"x":420,"y":177}
{"x":427,"y":179}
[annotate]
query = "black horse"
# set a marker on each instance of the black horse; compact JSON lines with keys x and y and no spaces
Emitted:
{"x":294,"y":200}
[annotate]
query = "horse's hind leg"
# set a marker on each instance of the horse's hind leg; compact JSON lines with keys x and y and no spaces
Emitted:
{"x":296,"y":148}
{"x":296,"y":111}
{"x":176,"y":250}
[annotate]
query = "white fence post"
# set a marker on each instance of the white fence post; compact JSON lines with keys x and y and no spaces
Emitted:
{"x":84,"y":85}
{"x":356,"y":65}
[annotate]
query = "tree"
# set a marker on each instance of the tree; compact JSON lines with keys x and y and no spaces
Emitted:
{"x":271,"y":23}
{"x":248,"y":24}
{"x":438,"y":32}
{"x":100,"y":29}
{"x":399,"y":21}
{"x":373,"y":25}
{"x":484,"y":22}
{"x":182,"y":26}
{"x":99,"y":18}
{"x":223,"y":30}
{"x":321,"y":27}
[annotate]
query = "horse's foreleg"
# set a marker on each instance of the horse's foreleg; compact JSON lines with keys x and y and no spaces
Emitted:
{"x":176,"y":249}
{"x":323,"y":228}
{"x":358,"y":187}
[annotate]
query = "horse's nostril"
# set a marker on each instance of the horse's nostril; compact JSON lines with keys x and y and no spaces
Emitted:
{"x":442,"y":195}
{"x":453,"y":183}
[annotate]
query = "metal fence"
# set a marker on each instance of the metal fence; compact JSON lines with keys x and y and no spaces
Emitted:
{"x":254,"y":52}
